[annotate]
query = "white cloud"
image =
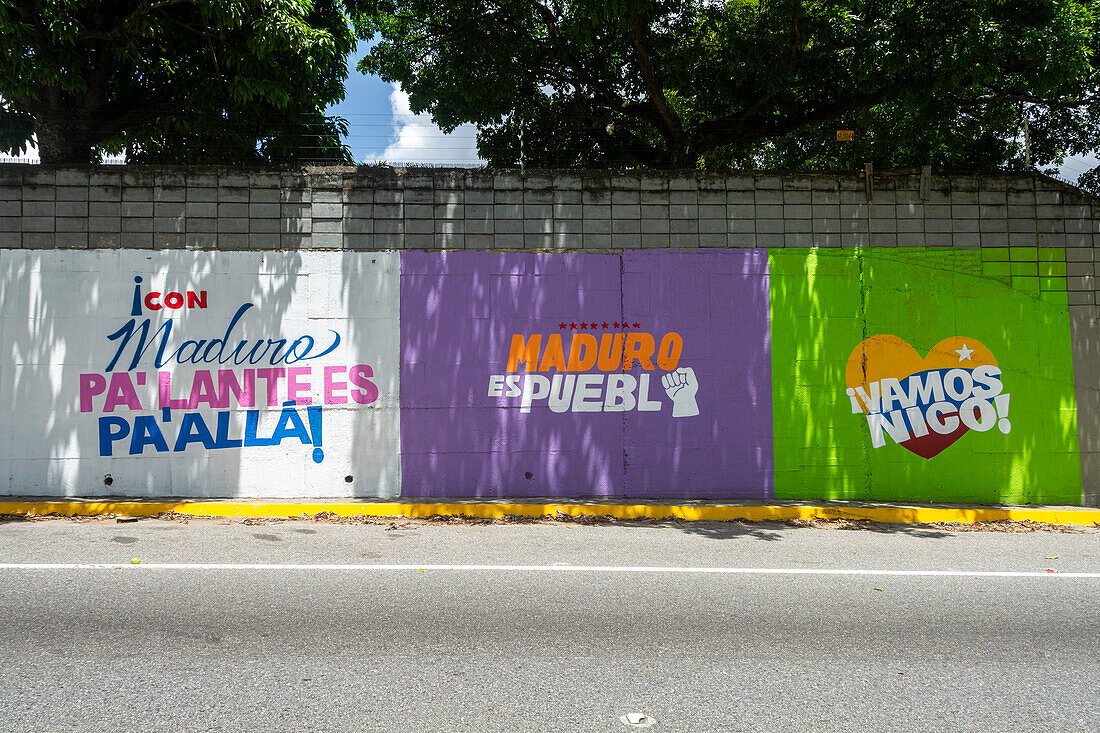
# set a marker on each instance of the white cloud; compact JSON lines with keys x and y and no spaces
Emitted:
{"x":1077,"y":164}
{"x":418,"y":141}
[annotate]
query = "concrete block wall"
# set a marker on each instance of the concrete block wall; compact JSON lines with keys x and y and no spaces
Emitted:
{"x":381,"y":209}
{"x":1014,"y":221}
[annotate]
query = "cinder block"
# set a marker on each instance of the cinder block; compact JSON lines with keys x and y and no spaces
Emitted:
{"x":683,"y":198}
{"x":538,"y":211}
{"x":359,"y":242}
{"x":478,"y":197}
{"x":173,"y":193}
{"x":626,"y":226}
{"x":596,"y":226}
{"x":481,"y":226}
{"x":232,"y":225}
{"x":39,"y":240}
{"x":412,"y":226}
{"x":37,"y":223}
{"x":445,"y":211}
{"x":597,"y":241}
{"x":358,"y":226}
{"x":71,"y":193}
{"x":331,"y":210}
{"x":508,"y":241}
{"x":228,"y":195}
{"x":265,"y":210}
{"x":260,"y":242}
{"x":797,"y":225}
{"x":200,"y":226}
{"x":389,"y":211}
{"x":328,"y":240}
{"x":683,"y":226}
{"x":507,"y":211}
{"x":39,"y":193}
{"x":136,"y":240}
{"x":137,"y":224}
{"x":264,"y":226}
{"x":567,"y":211}
{"x":136,"y":209}
{"x":11,"y":224}
{"x":38,"y":208}
{"x":508,"y":226}
{"x":543,"y":240}
{"x":388,"y":241}
{"x":450,"y":240}
{"x":104,"y":224}
{"x":619,"y":196}
{"x":168,"y":224}
{"x":264,"y":196}
{"x":683,"y":241}
{"x":106,"y":240}
{"x":568,"y":226}
{"x":169,"y":240}
{"x":66,"y":208}
{"x":206,"y":195}
{"x":71,"y":224}
{"x":626,"y":211}
{"x":538,"y":226}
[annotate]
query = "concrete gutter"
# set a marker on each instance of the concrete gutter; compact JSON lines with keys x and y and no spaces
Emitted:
{"x":498,"y":509}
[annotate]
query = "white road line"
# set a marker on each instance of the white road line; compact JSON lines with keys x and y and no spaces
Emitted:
{"x":545,"y":568}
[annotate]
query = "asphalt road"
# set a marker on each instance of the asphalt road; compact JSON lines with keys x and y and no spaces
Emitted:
{"x":562,"y":648}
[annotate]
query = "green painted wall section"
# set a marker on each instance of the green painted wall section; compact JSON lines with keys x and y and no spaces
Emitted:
{"x":825,"y":302}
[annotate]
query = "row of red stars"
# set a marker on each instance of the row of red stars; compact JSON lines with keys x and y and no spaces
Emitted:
{"x":616,"y":324}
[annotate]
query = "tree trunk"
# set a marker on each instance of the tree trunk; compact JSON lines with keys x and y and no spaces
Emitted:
{"x":62,"y":140}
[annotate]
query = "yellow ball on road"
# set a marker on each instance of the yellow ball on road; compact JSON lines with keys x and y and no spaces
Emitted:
{"x":135,"y":560}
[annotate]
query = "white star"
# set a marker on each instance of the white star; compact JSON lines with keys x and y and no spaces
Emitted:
{"x":964,"y":353}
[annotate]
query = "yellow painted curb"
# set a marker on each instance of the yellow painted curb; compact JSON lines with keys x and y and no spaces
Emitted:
{"x":895,"y":514}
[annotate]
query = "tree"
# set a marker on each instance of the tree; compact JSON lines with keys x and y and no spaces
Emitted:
{"x":682,"y":83}
{"x":173,"y":80}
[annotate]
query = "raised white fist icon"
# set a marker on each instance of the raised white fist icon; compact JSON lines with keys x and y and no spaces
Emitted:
{"x":680,"y":386}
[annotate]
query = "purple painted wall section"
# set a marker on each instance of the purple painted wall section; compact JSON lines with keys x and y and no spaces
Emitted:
{"x":459,"y":312}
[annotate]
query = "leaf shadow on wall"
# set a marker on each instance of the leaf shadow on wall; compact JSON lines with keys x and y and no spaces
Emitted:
{"x":58,"y":308}
{"x":460,"y":314}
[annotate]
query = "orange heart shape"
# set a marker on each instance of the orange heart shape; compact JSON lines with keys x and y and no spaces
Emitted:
{"x":887,"y":356}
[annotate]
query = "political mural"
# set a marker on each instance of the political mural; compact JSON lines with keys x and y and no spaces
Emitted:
{"x":914,"y":375}
{"x":638,"y":375}
{"x":883,"y":374}
{"x":196,"y":373}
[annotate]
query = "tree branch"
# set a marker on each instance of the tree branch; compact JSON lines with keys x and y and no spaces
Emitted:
{"x":132,"y":17}
{"x":672,"y":129}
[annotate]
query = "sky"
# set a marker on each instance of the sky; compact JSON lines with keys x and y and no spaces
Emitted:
{"x":383,"y":128}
